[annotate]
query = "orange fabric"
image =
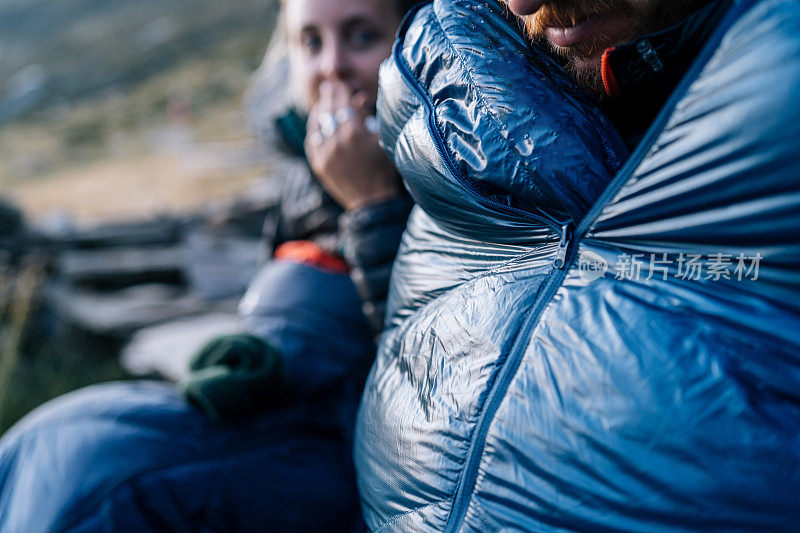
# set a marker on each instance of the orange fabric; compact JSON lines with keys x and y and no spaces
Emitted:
{"x":309,"y":253}
{"x":609,"y":81}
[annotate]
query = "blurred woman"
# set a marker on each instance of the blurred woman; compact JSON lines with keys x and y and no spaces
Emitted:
{"x":263,"y":442}
{"x":353,"y":202}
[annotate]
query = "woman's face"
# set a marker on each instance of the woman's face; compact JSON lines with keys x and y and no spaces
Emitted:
{"x":341,"y":41}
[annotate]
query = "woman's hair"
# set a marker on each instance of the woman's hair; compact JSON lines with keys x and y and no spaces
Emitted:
{"x":403,"y":6}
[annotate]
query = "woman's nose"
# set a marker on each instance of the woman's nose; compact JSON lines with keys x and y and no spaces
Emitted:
{"x":334,"y":63}
{"x":525,"y":7}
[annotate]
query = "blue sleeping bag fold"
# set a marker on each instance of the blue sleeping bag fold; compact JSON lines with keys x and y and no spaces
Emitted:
{"x":136,"y":457}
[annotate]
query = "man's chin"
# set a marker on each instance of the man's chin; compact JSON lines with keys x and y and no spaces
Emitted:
{"x":587,"y":73}
{"x":585,"y":65}
{"x":585,"y":69}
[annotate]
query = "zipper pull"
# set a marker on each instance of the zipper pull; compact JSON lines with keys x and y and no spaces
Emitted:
{"x":649,"y":54}
{"x":563,"y":246}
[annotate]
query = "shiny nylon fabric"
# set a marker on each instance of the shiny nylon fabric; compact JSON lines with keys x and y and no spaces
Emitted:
{"x":529,"y":399}
{"x":519,"y":136}
{"x":470,"y":262}
{"x":673,"y":404}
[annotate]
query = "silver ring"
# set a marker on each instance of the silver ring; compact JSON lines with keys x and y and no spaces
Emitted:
{"x":372,"y":124}
{"x":327,"y":124}
{"x":344,"y":114}
{"x":316,"y":138}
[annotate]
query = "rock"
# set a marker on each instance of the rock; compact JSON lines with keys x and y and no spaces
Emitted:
{"x":121,"y":313}
{"x":245,"y":215}
{"x":122,"y":266}
{"x":11,"y":220}
{"x":166,"y":349}
{"x":221,"y":265}
{"x":158,"y":231}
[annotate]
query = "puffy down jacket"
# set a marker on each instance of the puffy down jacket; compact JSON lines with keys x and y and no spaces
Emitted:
{"x":571,"y":345}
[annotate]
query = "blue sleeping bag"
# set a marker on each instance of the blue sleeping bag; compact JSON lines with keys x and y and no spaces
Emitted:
{"x":136,"y":457}
{"x":574,"y":343}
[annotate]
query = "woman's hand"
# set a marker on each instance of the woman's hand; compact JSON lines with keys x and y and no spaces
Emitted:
{"x":344,"y":153}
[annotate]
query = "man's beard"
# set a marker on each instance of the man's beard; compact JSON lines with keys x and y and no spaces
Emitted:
{"x":651,"y":16}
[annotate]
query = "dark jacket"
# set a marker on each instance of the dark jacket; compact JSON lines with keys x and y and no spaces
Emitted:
{"x":553,"y":360}
{"x":367,"y":238}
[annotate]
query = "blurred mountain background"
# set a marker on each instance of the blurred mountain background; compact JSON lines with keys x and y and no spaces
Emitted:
{"x":99,"y":98}
{"x":132,"y":194}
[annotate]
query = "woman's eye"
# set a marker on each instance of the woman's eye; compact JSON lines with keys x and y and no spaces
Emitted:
{"x":311,"y":43}
{"x":363,"y":38}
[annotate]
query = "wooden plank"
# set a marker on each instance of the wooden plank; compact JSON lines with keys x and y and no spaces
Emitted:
{"x":166,"y":349}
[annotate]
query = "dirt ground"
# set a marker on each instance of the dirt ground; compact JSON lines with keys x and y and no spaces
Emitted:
{"x":131,"y":188}
{"x":132,"y":155}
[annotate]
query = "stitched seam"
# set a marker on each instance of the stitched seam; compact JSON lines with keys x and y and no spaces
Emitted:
{"x":495,"y":269}
{"x":497,"y":123}
{"x":480,"y":97}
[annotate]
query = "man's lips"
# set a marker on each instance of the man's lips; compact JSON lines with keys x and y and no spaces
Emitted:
{"x":580,"y":32}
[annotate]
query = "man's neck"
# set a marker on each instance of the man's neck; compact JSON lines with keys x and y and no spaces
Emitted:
{"x":640,"y":75}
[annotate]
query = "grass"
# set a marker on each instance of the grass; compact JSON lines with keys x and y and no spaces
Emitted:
{"x":35,"y":368}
